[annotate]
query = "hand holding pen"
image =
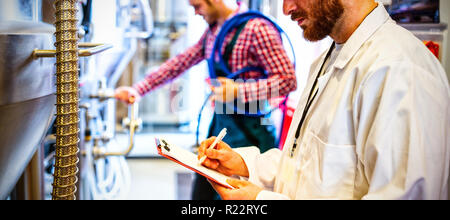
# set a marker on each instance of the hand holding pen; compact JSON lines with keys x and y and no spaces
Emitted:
{"x":213,"y":145}
{"x":222,"y":158}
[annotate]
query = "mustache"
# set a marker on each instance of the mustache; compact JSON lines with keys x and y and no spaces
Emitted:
{"x":298,"y":14}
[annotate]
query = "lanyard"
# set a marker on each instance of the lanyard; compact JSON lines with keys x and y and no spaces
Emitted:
{"x":310,"y":100}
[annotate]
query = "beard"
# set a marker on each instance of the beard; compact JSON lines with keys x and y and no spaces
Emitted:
{"x":211,"y":17}
{"x":322,"y":17}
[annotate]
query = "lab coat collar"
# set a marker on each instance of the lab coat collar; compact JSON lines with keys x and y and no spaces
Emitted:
{"x":368,"y":27}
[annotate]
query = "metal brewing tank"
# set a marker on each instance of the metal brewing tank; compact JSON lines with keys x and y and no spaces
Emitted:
{"x":27,"y":101}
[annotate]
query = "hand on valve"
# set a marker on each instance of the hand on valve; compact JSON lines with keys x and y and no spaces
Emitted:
{"x":128,"y":95}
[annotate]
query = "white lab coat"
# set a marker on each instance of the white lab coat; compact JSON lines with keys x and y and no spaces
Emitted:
{"x":379,"y":129}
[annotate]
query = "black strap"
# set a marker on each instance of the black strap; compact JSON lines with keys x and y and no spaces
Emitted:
{"x":310,"y":100}
{"x":240,"y":123}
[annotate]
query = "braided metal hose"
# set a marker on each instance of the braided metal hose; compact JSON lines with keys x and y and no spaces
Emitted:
{"x":67,"y":104}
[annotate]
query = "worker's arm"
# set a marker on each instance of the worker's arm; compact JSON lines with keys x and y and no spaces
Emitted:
{"x":172,"y":68}
{"x":271,"y":55}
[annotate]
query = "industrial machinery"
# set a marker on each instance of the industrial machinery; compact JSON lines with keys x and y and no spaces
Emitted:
{"x":57,"y":104}
{"x":167,"y":106}
{"x":26,"y":96}
{"x":27,"y":103}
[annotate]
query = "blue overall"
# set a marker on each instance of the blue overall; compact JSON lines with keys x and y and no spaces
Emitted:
{"x":243,"y":129}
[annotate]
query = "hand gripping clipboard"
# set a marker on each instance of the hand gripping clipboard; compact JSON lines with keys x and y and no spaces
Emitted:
{"x":190,"y":161}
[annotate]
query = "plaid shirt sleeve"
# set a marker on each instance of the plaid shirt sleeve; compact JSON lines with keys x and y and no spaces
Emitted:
{"x":172,"y":68}
{"x":269,"y":52}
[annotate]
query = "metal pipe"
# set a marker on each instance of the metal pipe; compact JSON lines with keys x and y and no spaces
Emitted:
{"x":67,"y":104}
{"x":93,"y":49}
{"x":132,"y":123}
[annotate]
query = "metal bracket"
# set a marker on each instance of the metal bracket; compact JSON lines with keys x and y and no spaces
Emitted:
{"x":93,"y":50}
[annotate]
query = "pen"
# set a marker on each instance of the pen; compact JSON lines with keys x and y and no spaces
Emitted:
{"x":213,"y":145}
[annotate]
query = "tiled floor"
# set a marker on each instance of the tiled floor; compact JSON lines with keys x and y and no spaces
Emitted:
{"x":158,"y":179}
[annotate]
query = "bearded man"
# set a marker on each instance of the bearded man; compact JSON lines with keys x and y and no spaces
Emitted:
{"x":373,"y":122}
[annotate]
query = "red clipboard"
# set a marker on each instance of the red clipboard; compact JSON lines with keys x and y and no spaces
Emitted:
{"x":161,"y":143}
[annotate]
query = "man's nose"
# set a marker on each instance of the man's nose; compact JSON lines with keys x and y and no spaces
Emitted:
{"x":289,"y":7}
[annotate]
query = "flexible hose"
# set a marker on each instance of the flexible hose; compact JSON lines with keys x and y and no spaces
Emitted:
{"x":67,"y":104}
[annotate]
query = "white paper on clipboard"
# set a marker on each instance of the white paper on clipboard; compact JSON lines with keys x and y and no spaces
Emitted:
{"x":190,"y":161}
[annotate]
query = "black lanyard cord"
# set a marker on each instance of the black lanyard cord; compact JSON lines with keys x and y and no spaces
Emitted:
{"x":311,"y":99}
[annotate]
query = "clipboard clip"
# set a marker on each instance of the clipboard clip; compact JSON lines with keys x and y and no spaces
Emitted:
{"x":162,"y":144}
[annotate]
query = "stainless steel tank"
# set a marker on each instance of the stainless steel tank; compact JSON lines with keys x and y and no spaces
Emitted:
{"x":28,"y":10}
{"x":27,"y":101}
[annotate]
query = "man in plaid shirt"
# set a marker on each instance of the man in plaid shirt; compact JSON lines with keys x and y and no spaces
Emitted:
{"x":257,"y":44}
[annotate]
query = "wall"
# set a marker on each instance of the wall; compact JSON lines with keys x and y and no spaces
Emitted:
{"x":445,"y":18}
{"x":25,"y":10}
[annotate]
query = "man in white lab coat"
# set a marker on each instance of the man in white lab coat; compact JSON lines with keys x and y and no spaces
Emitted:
{"x":373,"y":121}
